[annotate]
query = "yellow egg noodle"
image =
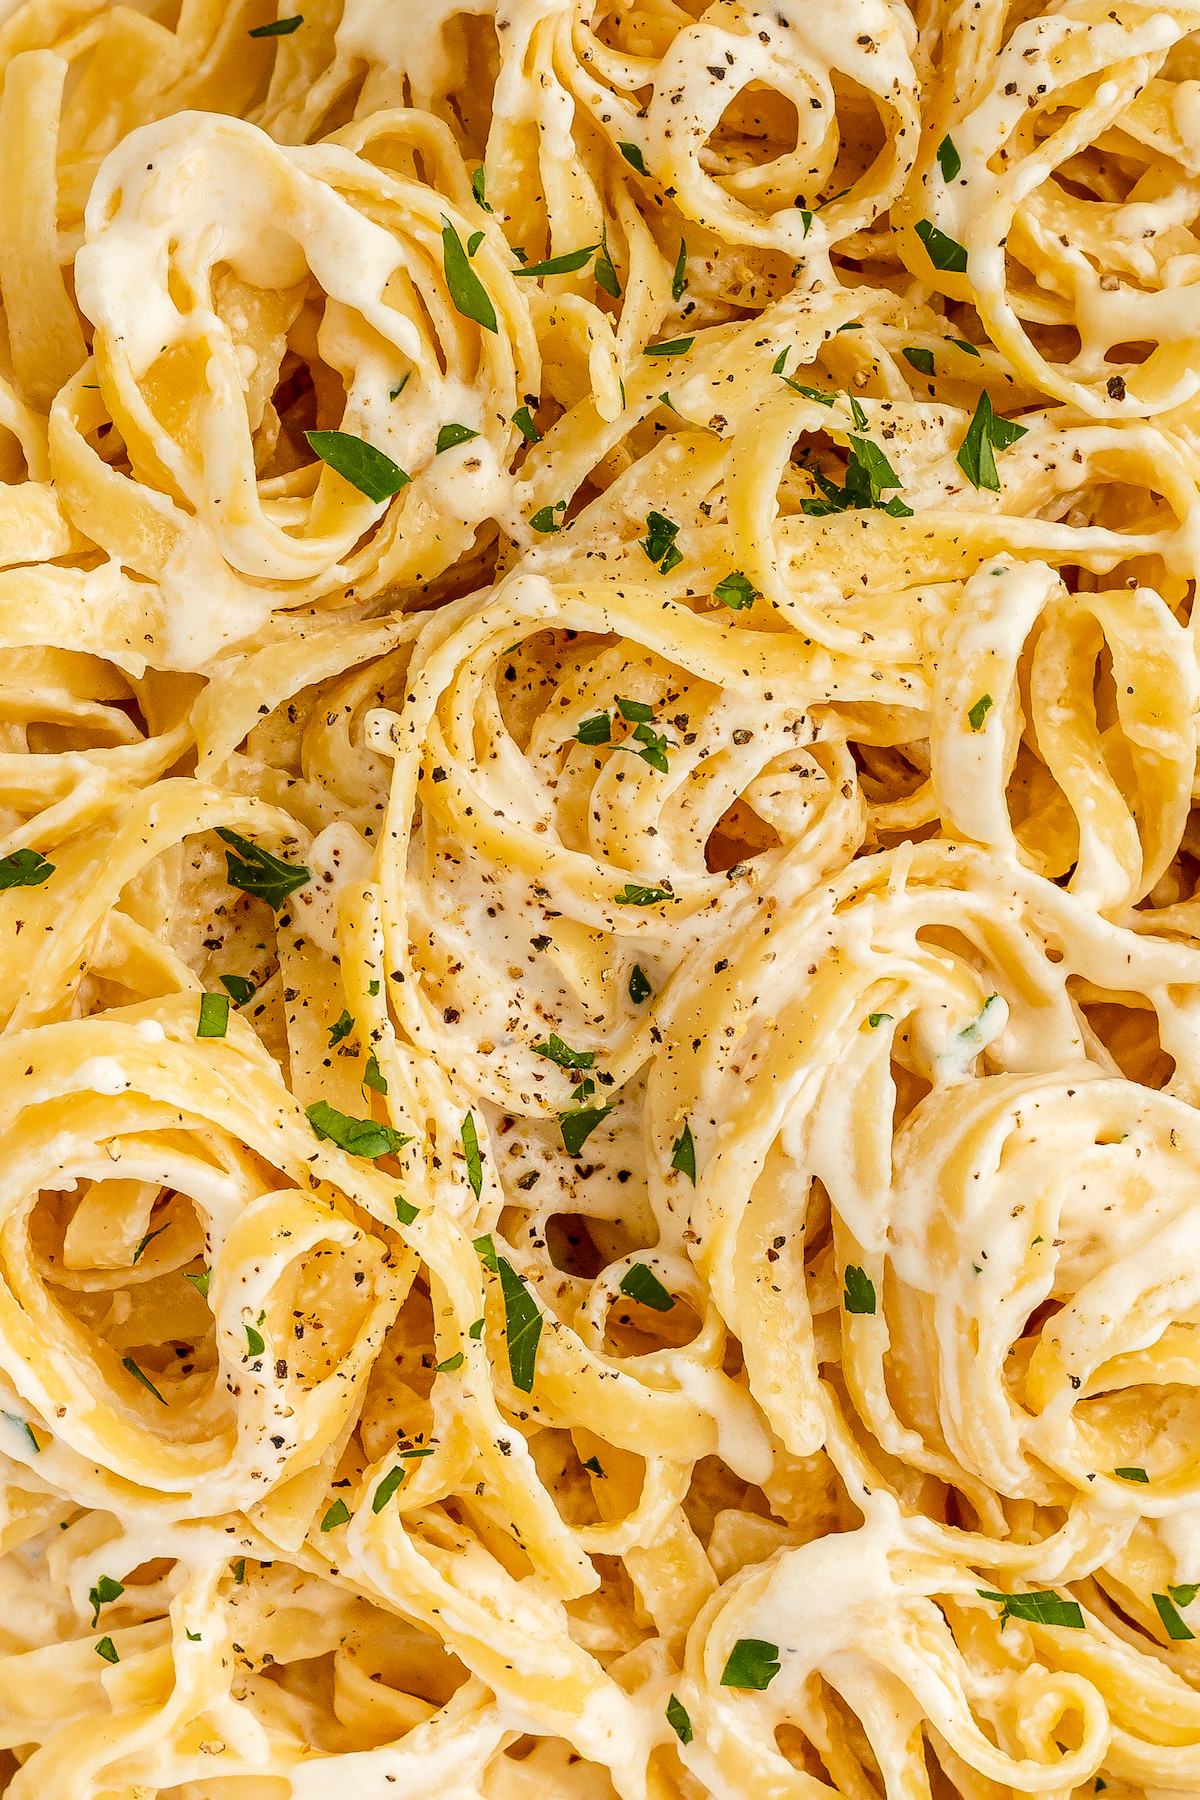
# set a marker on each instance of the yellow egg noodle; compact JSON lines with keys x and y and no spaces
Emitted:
{"x":599,"y":900}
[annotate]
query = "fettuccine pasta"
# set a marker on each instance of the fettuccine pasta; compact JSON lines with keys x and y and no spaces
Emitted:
{"x":599,"y":900}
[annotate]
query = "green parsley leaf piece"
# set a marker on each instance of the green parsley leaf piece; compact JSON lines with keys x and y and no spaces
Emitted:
{"x":962,"y":344}
{"x":593,"y":1463}
{"x":780,"y":363}
{"x":850,"y":325}
{"x":860,"y":418}
{"x":544,"y":520}
{"x":467,"y":292}
{"x":523,"y":420}
{"x":104,"y":1593}
{"x":476,"y":1331}
{"x":406,"y":1212}
{"x":338,"y":1514}
{"x":238,"y":988}
{"x":23,"y":1426}
{"x":921,"y":360}
{"x":524,"y":1326}
{"x":683,"y":1154}
{"x":1132,"y":1475}
{"x":450,"y":1365}
{"x":562,"y":1054}
{"x":254,"y":1341}
{"x":560,"y":265}
{"x":577,"y":1127}
{"x":640,"y":712}
{"x":470,"y":1144}
{"x":427,"y":1451}
{"x":874,"y":1019}
{"x":806,"y":219}
{"x":606,"y":275}
{"x":359,"y":1137}
{"x":451,"y":435}
{"x":278,"y":27}
{"x":474,"y":241}
{"x":975,"y":457}
{"x":679,"y":279}
{"x":395,"y":393}
{"x":949,"y":161}
{"x":735,"y":592}
{"x":387,"y":1487}
{"x":597,"y":730}
{"x":1173,"y":1625}
{"x":859,"y":1296}
{"x":373,"y":1076}
{"x":941,"y":250}
{"x":661,"y":533}
{"x":148,"y":1239}
{"x":1042,"y":1607}
{"x":24,"y":868}
{"x":193,"y":1637}
{"x":879,"y":470}
{"x":369,"y":470}
{"x":670,"y":561}
{"x":633,"y":895}
{"x":373,"y":988}
{"x":678,"y":1720}
{"x":639,"y":986}
{"x":127,"y":1362}
{"x":255,"y":871}
{"x":979,"y":712}
{"x":672,"y":347}
{"x":752,"y":1663}
{"x":214,"y":1016}
{"x":811,"y":393}
{"x":640,"y":1283}
{"x":108,"y":1650}
{"x":239,"y":1570}
{"x":478,"y":183}
{"x":341,"y":1028}
{"x":633,"y":156}
{"x":1185,"y":1594}
{"x":485,"y":1249}
{"x":984,"y":434}
{"x":200,"y":1281}
{"x":655,"y":743}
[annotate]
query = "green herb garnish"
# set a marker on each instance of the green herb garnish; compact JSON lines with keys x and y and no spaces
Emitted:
{"x":683,"y":1154}
{"x":278,"y":27}
{"x":214,"y":1016}
{"x":467,"y":292}
{"x":752,"y":1663}
{"x":859,"y":1296}
{"x":679,"y":278}
{"x":941,"y":250}
{"x":470,"y":1144}
{"x":985,"y":434}
{"x":949,"y":161}
{"x":640,"y":1283}
{"x":577,"y":1127}
{"x":359,"y":1137}
{"x":1042,"y":1607}
{"x":369,"y":470}
{"x":735,"y":592}
{"x":451,"y":435}
{"x":255,"y":871}
{"x":24,"y":868}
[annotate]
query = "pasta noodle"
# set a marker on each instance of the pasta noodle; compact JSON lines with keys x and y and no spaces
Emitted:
{"x":599,"y":900}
